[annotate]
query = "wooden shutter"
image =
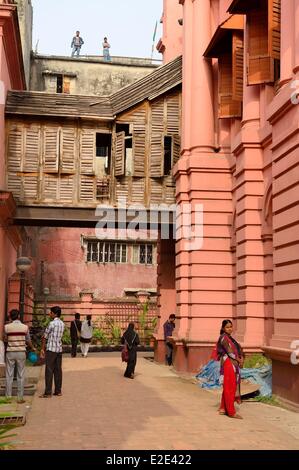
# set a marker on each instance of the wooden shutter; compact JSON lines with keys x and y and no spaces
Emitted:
{"x":14,"y":184}
{"x":31,"y":149}
{"x":139,"y":152}
{"x":157,"y":156}
{"x":50,"y":188}
{"x":228,"y":107}
{"x":87,"y":188}
{"x":274,"y":20}
{"x":87,"y":151}
{"x":68,"y":146}
{"x":66,"y":85}
{"x":30,"y":186}
{"x":157,"y":116}
{"x":260,"y":64}
{"x":169,"y":190}
{"x":122,"y":189}
{"x":173,"y":114}
{"x":238,"y":66}
{"x":67,"y":188}
{"x":138,"y":190}
{"x":156,"y":189}
{"x":51,"y":149}
{"x":15,"y":148}
{"x":176,"y":149}
{"x":120,"y":154}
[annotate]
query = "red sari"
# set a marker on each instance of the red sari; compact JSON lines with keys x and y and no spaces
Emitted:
{"x":229,"y":351}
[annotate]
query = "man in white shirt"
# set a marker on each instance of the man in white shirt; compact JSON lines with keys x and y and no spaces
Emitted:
{"x":16,"y":334}
{"x":53,"y":353}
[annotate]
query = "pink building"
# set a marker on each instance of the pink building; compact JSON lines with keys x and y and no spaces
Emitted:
{"x":72,"y":260}
{"x":11,"y":77}
{"x":239,"y":159}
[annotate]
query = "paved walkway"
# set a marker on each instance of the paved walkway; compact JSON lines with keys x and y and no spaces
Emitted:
{"x":100,"y":409}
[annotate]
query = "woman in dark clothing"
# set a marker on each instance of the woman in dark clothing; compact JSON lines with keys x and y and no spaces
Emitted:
{"x":131,"y":338}
{"x":75,"y":333}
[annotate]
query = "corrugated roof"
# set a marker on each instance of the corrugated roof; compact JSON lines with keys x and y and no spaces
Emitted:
{"x":37,"y":103}
{"x":156,"y":83}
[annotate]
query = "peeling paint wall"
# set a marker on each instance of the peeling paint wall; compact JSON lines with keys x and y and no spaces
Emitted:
{"x":87,"y":76}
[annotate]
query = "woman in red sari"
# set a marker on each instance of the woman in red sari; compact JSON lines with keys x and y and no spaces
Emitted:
{"x":231,"y":359}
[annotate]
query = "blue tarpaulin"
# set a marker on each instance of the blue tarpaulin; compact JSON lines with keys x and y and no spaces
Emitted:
{"x":209,"y":376}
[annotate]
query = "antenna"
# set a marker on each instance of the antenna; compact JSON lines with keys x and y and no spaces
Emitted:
{"x":36,"y":46}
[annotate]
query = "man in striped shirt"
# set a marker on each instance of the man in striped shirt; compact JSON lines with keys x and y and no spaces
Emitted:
{"x":53,"y":352}
{"x":16,"y":334}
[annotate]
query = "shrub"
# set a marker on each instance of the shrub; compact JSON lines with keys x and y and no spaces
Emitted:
{"x":254,"y":361}
{"x":3,"y":435}
{"x":99,"y":336}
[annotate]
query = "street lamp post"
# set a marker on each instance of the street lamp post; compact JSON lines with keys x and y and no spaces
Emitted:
{"x":46,"y":293}
{"x":23,"y":264}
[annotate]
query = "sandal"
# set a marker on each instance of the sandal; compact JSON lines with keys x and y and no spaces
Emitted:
{"x":221,"y":412}
{"x":57,"y":394}
{"x":236,"y":416}
{"x":45,"y":396}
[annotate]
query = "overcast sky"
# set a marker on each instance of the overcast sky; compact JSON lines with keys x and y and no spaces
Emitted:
{"x":128,"y":24}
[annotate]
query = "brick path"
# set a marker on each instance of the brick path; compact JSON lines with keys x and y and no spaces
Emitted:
{"x":100,"y":409}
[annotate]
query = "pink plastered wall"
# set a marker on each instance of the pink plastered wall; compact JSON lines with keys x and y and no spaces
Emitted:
{"x":245,"y":173}
{"x":66,"y":272}
{"x":172,"y":39}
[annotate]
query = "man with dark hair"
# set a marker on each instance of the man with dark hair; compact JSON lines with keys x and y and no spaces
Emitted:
{"x":77,"y":43}
{"x":53,"y":334}
{"x":16,"y":334}
{"x":75,"y":333}
{"x":168,"y":328}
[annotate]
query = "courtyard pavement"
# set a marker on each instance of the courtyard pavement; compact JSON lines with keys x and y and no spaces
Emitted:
{"x":158,"y":410}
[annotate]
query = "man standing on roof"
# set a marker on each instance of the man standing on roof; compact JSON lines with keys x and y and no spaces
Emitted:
{"x":76,"y":44}
{"x":106,"y":47}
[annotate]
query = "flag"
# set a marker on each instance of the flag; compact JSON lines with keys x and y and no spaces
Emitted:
{"x":155,"y":31}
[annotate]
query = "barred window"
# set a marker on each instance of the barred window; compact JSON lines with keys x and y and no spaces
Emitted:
{"x":106,"y":252}
{"x":143,"y":254}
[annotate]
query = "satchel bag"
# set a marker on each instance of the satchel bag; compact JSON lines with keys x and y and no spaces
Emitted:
{"x":125,"y":353}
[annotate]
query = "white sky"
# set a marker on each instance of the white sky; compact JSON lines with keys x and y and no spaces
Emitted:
{"x":128,"y":24}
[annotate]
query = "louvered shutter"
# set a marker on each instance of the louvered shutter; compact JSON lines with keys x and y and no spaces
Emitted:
{"x":157,"y":116}
{"x":68,"y":146}
{"x":274,"y":20}
{"x":67,"y":188}
{"x":87,"y":188}
{"x":155,"y":191}
{"x":238,"y":66}
{"x":29,"y":186}
{"x":138,"y":190}
{"x":259,"y":63}
{"x":176,"y":149}
{"x":31,"y":149}
{"x":227,"y":106}
{"x":173,"y":111}
{"x":51,"y":149}
{"x":120,"y":154}
{"x":139,"y":152}
{"x":15,"y":148}
{"x":50,"y":188}
{"x":87,"y":151}
{"x":157,"y":156}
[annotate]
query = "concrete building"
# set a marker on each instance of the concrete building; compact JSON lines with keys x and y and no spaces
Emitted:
{"x":25,"y":16}
{"x":86,"y":75}
{"x":239,"y":159}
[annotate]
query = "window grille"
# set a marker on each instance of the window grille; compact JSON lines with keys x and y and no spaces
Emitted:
{"x":106,"y":252}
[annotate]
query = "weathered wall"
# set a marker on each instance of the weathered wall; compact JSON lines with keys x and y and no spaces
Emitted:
{"x":92,"y":76}
{"x":66,"y":272}
{"x":25,"y":15}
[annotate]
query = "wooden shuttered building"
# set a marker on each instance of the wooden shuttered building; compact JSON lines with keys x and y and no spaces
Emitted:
{"x":227,"y":45}
{"x":81,"y":151}
{"x":146,"y":179}
{"x":263,"y":34}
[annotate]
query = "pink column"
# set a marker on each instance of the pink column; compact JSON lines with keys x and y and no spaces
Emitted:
{"x":248,"y":194}
{"x":203,"y":273}
{"x":296,"y":48}
{"x":287,"y":40}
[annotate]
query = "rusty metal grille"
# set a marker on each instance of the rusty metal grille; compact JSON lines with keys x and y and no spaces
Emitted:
{"x":121,"y":314}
